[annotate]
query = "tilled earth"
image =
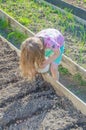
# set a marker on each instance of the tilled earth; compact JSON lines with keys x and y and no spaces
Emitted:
{"x":33,"y":105}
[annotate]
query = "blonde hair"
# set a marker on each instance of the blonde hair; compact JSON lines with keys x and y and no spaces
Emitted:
{"x":32,"y":52}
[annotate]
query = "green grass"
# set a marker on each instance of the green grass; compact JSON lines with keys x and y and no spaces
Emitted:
{"x":3,"y":24}
{"x":84,"y":1}
{"x":81,"y":1}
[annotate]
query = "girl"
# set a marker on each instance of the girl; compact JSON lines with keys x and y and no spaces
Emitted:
{"x":47,"y":43}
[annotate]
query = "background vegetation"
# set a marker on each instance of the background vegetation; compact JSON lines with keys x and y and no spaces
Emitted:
{"x":36,"y":15}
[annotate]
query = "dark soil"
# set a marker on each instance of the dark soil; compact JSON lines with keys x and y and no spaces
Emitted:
{"x":33,"y":105}
{"x":79,"y":3}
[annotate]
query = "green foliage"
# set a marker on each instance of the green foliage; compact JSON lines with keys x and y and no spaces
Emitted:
{"x":3,"y":24}
{"x":16,"y":36}
{"x":24,"y":21}
{"x":63,"y":70}
{"x":84,"y":1}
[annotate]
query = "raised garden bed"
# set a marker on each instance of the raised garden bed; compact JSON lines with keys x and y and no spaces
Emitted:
{"x":77,"y":88}
{"x":33,"y":106}
{"x":72,"y":66}
{"x":37,"y":16}
{"x":71,"y":5}
{"x":12,"y":24}
{"x":77,"y":85}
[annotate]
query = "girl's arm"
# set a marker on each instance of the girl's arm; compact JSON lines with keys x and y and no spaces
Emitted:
{"x":51,"y":58}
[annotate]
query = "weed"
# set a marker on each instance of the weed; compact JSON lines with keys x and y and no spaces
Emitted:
{"x":15,"y":36}
{"x":78,"y":78}
{"x":3,"y":24}
{"x":63,"y":70}
{"x":24,"y":21}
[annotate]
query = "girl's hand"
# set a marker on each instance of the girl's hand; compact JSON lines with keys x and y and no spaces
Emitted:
{"x":43,"y":65}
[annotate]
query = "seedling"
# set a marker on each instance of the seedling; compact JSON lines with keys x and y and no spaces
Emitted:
{"x":15,"y":36}
{"x":63,"y":70}
{"x":3,"y":24}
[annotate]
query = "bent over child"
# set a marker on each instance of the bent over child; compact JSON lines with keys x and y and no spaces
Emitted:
{"x":43,"y":49}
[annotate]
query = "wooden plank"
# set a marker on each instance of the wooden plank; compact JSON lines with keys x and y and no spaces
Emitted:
{"x":73,"y":67}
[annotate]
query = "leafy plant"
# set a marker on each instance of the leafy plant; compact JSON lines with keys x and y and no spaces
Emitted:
{"x":16,"y":36}
{"x":3,"y":24}
{"x":63,"y":70}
